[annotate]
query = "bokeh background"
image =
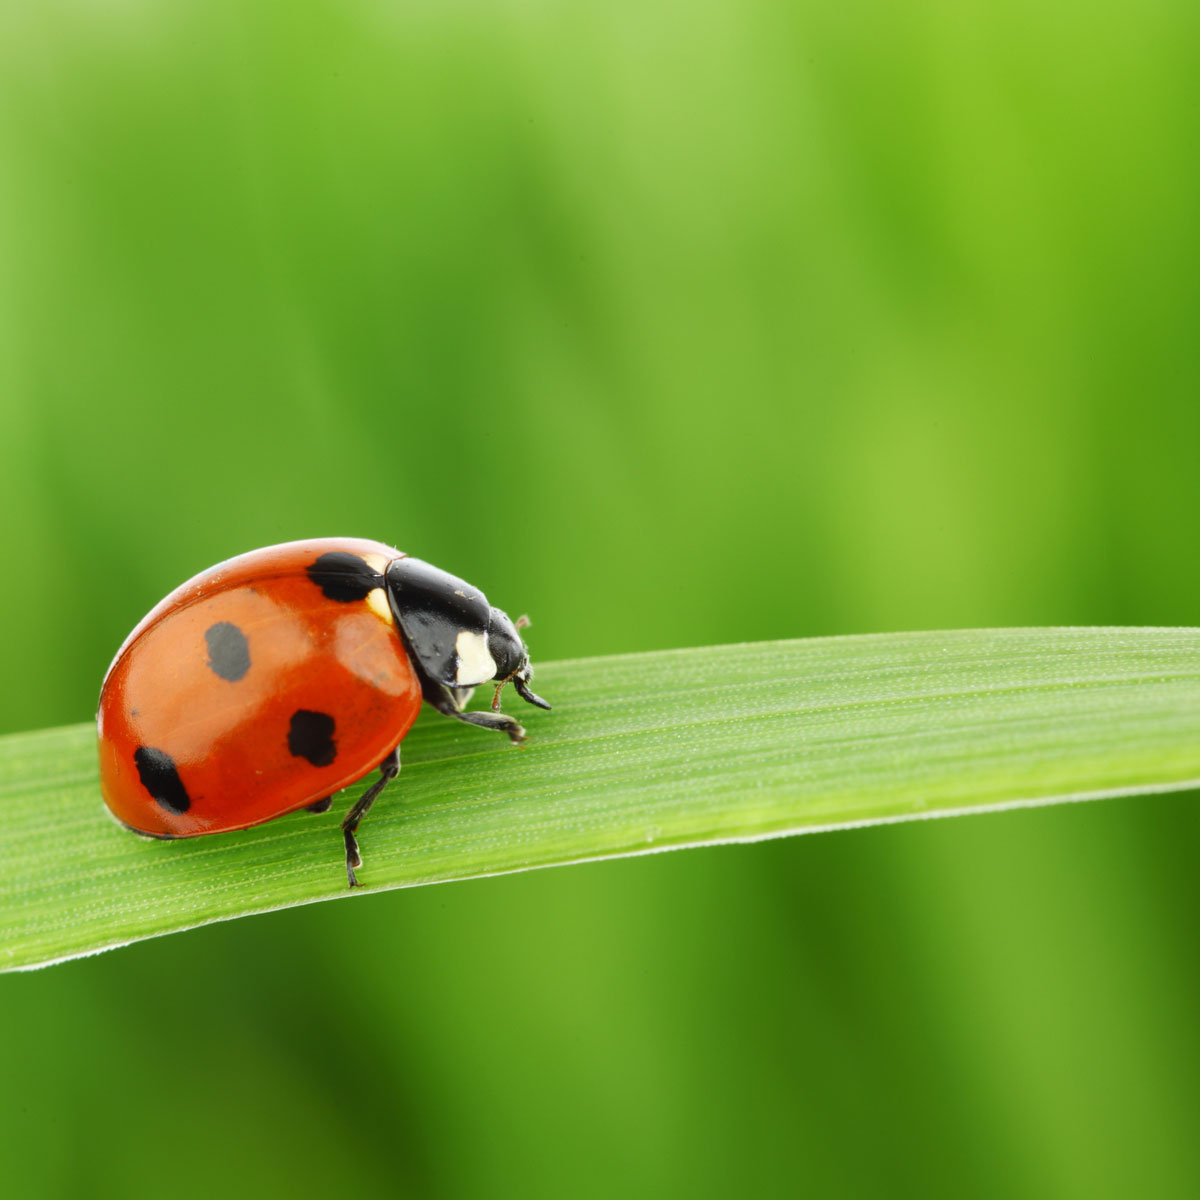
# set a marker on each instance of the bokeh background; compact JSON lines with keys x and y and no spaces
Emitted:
{"x":673,"y":324}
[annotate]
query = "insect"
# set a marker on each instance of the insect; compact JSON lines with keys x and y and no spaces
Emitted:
{"x":273,"y":680}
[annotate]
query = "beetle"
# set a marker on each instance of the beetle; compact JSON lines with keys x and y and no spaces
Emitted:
{"x":273,"y":680}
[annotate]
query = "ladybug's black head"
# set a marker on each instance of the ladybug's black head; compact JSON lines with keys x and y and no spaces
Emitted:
{"x":511,"y":657}
{"x":456,"y":639}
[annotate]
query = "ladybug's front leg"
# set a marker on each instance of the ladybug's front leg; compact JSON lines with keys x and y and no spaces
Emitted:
{"x":440,"y":697}
{"x":388,"y":770}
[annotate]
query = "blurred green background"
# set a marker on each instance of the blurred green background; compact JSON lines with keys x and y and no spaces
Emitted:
{"x":671,"y":324}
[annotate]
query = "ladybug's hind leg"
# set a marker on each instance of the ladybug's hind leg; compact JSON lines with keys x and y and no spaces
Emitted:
{"x":388,"y":770}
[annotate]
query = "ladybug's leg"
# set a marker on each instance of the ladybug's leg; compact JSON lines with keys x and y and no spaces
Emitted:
{"x":440,"y":698}
{"x":388,"y":770}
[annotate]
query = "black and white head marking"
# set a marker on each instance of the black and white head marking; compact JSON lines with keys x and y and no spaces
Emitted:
{"x":455,"y":638}
{"x":444,"y":621}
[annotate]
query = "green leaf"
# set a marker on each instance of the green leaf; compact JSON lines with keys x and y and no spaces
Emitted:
{"x":642,"y":752}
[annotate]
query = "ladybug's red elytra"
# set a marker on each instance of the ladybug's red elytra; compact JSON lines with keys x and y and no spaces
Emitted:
{"x":273,"y":680}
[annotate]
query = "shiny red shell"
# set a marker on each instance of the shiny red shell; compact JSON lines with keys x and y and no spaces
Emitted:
{"x":231,"y":741}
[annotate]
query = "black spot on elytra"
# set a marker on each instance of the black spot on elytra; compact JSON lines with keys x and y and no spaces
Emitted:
{"x":228,"y":650}
{"x":320,"y":806}
{"x":311,"y":737}
{"x":345,"y":577}
{"x":156,"y":769}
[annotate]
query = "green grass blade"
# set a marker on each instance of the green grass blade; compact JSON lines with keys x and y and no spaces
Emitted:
{"x":642,"y":752}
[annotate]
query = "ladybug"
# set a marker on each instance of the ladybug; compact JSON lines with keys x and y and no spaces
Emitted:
{"x":273,"y":680}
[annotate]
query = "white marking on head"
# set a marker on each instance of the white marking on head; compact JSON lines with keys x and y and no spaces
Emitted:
{"x":377,"y":602}
{"x":475,"y":662}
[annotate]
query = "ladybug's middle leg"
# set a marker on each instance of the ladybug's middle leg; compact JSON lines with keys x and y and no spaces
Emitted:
{"x":388,"y":770}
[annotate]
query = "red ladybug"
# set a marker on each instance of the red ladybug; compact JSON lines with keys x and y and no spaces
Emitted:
{"x":271,"y":681}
